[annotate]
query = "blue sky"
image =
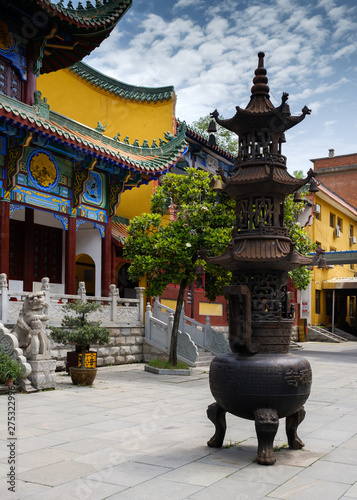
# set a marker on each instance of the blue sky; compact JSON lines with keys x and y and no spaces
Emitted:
{"x":208,"y":51}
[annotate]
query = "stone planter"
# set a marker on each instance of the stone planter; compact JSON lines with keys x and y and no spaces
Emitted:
{"x":81,"y":376}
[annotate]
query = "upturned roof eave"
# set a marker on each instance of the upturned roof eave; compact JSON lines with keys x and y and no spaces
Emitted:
{"x":151,"y":161}
{"x":105,"y":15}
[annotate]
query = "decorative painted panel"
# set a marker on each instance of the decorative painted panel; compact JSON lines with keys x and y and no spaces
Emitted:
{"x":41,"y":200}
{"x":91,"y":213}
{"x":94,"y":189}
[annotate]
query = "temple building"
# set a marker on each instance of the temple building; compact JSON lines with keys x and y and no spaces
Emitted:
{"x":74,"y":147}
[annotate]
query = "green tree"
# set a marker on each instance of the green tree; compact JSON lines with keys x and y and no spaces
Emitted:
{"x":166,"y":248}
{"x":301,"y":277}
{"x":224,"y":137}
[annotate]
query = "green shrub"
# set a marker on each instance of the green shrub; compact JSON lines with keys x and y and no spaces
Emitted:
{"x":9,"y":368}
{"x":77,"y":329}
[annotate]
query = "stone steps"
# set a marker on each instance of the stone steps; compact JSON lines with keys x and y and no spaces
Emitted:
{"x":204,"y":357}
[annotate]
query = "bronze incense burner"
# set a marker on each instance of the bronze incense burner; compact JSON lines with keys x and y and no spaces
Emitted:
{"x":260,"y":380}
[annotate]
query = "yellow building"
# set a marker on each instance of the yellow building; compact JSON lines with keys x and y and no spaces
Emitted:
{"x":137,"y":114}
{"x":332,"y":224}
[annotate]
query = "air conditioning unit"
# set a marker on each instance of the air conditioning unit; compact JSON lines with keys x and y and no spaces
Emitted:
{"x":317,"y":208}
{"x":353,"y":240}
{"x":337,"y":232}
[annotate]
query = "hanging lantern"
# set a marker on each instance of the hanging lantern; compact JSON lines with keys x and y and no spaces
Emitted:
{"x":314,"y":188}
{"x":200,"y":271}
{"x":212,"y":127}
{"x":297,"y":197}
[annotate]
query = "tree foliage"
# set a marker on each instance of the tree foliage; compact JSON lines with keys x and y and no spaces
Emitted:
{"x":301,"y":277}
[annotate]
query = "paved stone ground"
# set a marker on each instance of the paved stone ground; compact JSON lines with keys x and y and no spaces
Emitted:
{"x":138,"y":436}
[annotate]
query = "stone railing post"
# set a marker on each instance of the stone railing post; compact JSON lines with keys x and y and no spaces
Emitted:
{"x":148,"y":315}
{"x":156,"y":307}
{"x":207,"y":331}
{"x":170,"y":325}
{"x":45,"y":287}
{"x":82,"y":291}
{"x":140,"y":297}
{"x":4,"y":301}
{"x":114,"y":295}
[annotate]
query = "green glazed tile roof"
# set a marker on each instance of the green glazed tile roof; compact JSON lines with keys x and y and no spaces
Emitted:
{"x":124,"y":90}
{"x":203,"y":138}
{"x":97,"y":14}
{"x":70,"y":34}
{"x":56,"y":127}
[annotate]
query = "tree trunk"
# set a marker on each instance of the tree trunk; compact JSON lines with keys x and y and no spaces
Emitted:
{"x":83,"y":361}
{"x":175,"y":326}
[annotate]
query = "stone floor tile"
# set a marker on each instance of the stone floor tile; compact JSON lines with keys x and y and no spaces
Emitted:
{"x":40,"y":458}
{"x":22,"y":490}
{"x":79,"y":489}
{"x":352,"y":492}
{"x":233,"y":489}
{"x":158,"y":488}
{"x":128,"y":473}
{"x":55,"y":474}
{"x":199,"y":473}
{"x":303,"y":488}
{"x":342,"y":455}
{"x":331,"y":471}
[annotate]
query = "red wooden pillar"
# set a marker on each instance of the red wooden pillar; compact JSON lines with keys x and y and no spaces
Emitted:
{"x":70,"y":258}
{"x":107,"y":259}
{"x":4,"y":237}
{"x":29,"y":250}
{"x":30,"y":86}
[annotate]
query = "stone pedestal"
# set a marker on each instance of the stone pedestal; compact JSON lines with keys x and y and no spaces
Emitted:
{"x":43,"y":373}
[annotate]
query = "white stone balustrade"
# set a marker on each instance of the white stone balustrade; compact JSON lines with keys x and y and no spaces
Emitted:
{"x":115,"y":311}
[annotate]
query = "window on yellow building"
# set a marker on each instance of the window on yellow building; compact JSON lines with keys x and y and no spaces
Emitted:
{"x":317,"y":301}
{"x":340,"y":224}
{"x":332,"y":220}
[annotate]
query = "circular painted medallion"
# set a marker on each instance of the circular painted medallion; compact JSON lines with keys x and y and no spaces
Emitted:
{"x":43,"y":170}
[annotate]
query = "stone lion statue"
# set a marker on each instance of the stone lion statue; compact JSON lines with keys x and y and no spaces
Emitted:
{"x":30,"y":329}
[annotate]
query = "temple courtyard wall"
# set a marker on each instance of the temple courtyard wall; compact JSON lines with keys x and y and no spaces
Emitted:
{"x":126,"y":346}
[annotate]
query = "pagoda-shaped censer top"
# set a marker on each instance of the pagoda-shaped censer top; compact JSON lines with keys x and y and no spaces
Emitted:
{"x":260,"y":183}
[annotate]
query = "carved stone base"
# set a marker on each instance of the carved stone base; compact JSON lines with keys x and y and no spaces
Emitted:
{"x":43,"y":374}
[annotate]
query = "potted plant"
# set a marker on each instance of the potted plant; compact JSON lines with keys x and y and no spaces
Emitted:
{"x":11,"y":369}
{"x":77,"y":329}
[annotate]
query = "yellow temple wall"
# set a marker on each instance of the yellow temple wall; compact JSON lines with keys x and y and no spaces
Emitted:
{"x":75,"y":98}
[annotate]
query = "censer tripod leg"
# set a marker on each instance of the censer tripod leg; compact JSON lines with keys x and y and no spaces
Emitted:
{"x":266,"y":426}
{"x":291,"y":425}
{"x":217,"y":416}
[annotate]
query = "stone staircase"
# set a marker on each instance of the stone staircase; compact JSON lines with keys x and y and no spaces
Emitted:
{"x":204,"y":357}
{"x":324,"y":335}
